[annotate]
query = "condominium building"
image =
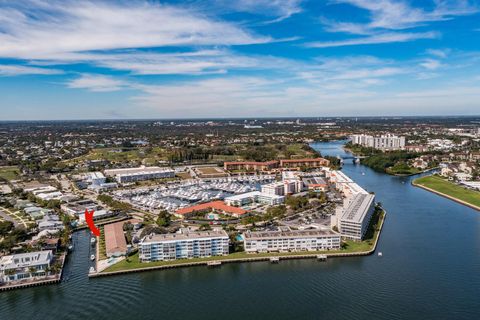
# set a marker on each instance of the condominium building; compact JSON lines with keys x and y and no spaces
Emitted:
{"x":24,"y":265}
{"x":383,"y":142}
{"x":291,"y":240}
{"x":250,"y":165}
{"x":183,"y":245}
{"x":354,"y":220}
{"x":254,"y":197}
{"x":274,"y":188}
{"x":126,"y":175}
{"x":308,"y":163}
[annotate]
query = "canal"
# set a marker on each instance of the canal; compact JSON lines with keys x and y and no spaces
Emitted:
{"x":430,"y":269}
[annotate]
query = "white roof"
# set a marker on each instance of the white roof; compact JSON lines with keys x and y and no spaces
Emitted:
{"x":25,"y":260}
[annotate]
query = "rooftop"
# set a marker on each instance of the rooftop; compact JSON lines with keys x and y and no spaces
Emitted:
{"x":216,"y":205}
{"x":259,"y":235}
{"x":185,"y":235}
{"x":114,"y":238}
{"x":358,"y":207}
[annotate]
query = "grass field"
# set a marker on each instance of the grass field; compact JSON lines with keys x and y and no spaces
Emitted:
{"x":150,"y":155}
{"x":9,"y":173}
{"x":449,"y":188}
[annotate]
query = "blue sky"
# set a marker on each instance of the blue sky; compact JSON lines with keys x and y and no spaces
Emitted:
{"x":244,"y":58}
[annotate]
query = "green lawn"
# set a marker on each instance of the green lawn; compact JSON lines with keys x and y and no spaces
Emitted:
{"x":348,"y":247}
{"x":449,"y":188}
{"x":9,"y":173}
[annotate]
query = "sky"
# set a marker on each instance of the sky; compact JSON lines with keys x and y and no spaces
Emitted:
{"x":244,"y":58}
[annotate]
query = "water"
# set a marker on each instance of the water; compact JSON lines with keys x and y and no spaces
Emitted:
{"x":429,"y":270}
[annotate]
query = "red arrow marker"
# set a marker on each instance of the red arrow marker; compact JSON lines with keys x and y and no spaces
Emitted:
{"x":90,"y":223}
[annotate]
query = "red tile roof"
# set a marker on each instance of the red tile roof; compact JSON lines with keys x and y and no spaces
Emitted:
{"x":217,"y":205}
{"x":114,"y":238}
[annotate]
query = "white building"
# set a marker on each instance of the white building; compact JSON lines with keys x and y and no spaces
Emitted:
{"x":291,"y":240}
{"x":50,"y":222}
{"x":383,"y":142}
{"x":139,"y":174}
{"x":24,"y":265}
{"x":354,"y":220}
{"x":274,"y":188}
{"x":95,"y":178}
{"x":183,"y":245}
{"x":254,"y":197}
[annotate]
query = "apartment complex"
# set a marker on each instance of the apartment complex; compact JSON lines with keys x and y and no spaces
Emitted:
{"x":213,"y":206}
{"x":291,"y":240}
{"x":383,"y":142}
{"x":274,"y":164}
{"x":308,"y":163}
{"x":250,"y":165}
{"x":24,"y":265}
{"x":254,"y":197}
{"x":354,"y":221}
{"x":127,"y":175}
{"x":183,"y":245}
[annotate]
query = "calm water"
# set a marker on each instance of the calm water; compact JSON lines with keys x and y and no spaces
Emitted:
{"x":429,"y":270}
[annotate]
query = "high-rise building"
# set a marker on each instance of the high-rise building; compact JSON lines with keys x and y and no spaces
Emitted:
{"x":383,"y":142}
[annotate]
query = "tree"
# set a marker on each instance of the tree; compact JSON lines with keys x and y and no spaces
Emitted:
{"x":205,"y":227}
{"x":5,"y":227}
{"x":164,"y":219}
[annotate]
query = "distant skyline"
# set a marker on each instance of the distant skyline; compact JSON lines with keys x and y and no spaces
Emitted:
{"x":62,"y":60}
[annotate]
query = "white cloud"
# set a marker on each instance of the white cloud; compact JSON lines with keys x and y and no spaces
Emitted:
{"x":17,"y":70}
{"x":376,"y":39}
{"x":281,"y":9}
{"x":398,"y":15}
{"x":57,"y":30}
{"x":439,"y":53}
{"x":388,"y":17}
{"x":97,"y":83}
{"x":431,"y":64}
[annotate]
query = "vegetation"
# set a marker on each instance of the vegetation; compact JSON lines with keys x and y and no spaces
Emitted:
{"x":114,"y":204}
{"x":164,"y":219}
{"x":451,"y":189}
{"x":9,"y":173}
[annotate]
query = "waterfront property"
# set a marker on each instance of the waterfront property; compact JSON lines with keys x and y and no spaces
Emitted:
{"x":353,"y":222}
{"x":126,"y":175}
{"x":383,"y":142}
{"x":291,"y":240}
{"x":254,"y":197}
{"x":115,"y":243}
{"x":184,"y":244}
{"x":25,"y":265}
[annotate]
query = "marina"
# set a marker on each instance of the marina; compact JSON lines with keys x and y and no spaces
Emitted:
{"x":307,"y":286}
{"x":174,"y":196}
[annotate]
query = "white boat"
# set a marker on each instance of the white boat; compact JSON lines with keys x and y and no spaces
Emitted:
{"x":92,"y":257}
{"x":379,"y":254}
{"x":92,"y":240}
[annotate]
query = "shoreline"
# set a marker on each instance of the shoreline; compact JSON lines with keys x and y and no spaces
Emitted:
{"x":306,"y":255}
{"x":472,"y":206}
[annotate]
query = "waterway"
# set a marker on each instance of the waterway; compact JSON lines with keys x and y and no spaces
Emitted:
{"x":430,"y":269}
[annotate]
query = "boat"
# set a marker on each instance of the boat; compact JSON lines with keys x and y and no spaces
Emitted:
{"x":379,"y":254}
{"x":70,"y":247}
{"x":92,"y":240}
{"x":92,"y":270}
{"x":363,"y":173}
{"x":92,"y":257}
